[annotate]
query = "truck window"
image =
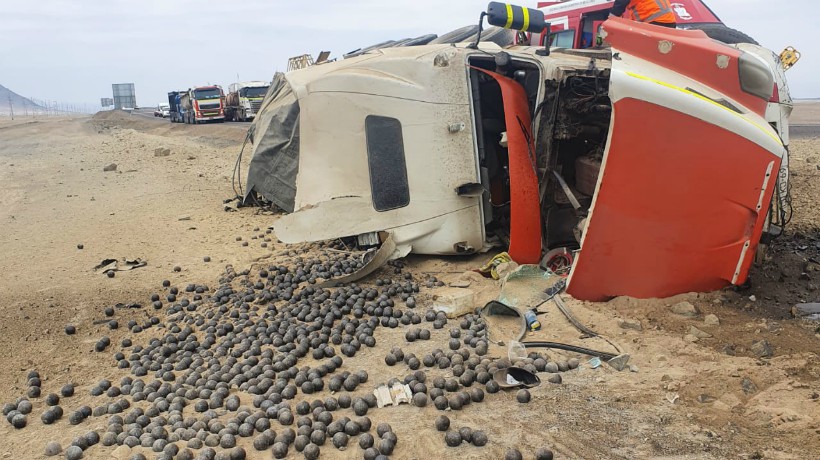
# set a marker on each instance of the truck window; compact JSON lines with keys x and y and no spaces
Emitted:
{"x":385,"y":158}
{"x":563,"y":39}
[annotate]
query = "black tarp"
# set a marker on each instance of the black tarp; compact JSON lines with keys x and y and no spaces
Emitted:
{"x":275,"y":137}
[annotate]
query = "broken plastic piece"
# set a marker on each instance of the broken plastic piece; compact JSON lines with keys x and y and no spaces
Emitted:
{"x":512,"y":377}
{"x":619,"y":362}
{"x":399,"y":393}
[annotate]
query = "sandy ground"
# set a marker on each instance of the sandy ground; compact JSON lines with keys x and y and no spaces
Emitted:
{"x":709,"y":399}
{"x":806,"y":112}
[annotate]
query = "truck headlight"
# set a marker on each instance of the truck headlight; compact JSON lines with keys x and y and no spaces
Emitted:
{"x":755,"y":76}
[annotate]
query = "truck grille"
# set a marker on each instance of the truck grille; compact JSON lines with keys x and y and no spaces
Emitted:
{"x":255,"y":105}
{"x":213,"y":105}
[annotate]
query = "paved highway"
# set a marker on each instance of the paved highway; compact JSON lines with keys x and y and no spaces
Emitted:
{"x":149,"y":113}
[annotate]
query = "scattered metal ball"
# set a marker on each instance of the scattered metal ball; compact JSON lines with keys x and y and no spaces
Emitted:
{"x":452,"y":438}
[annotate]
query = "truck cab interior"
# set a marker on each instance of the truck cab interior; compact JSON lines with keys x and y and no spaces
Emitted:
{"x":571,"y":122}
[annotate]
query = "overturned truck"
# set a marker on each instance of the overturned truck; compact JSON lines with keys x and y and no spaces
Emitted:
{"x":650,"y":166}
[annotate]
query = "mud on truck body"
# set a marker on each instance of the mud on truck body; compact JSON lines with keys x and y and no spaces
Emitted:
{"x":651,"y":163}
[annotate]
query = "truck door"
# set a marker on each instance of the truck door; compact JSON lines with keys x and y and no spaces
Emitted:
{"x":687,"y":175}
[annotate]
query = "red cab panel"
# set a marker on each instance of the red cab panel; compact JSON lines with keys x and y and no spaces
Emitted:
{"x":672,"y":214}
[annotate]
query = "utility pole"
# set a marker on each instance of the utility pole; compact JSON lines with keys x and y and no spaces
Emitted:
{"x":11,"y":107}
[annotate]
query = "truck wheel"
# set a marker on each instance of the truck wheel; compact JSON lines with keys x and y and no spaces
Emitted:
{"x":456,"y":36}
{"x":724,"y":34}
{"x":498,"y":35}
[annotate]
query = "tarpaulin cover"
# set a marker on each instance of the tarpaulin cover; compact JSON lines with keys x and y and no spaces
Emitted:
{"x":275,"y":138}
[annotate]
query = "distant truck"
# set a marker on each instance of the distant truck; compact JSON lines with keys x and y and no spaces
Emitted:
{"x":174,"y":108}
{"x":244,"y":100}
{"x":201,"y":104}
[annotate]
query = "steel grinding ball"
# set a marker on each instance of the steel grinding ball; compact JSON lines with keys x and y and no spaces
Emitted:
{"x":492,"y":386}
{"x":390,"y":359}
{"x":360,"y":407}
{"x":513,"y":454}
{"x":523,"y":396}
{"x":279,"y":450}
{"x":261,"y":442}
{"x":73,"y":453}
{"x":19,"y":421}
{"x":311,"y":452}
{"x":455,"y":402}
{"x":479,"y":438}
{"x":366,"y":440}
{"x":49,"y":416}
{"x":301,"y":442}
{"x":442,"y":423}
{"x":364,"y":423}
{"x":386,"y":446}
{"x":80,"y":246}
{"x":53,"y":448}
{"x":24,"y":407}
{"x":340,"y":440}
{"x":452,"y":438}
{"x":419,"y":399}
{"x":383,"y":428}
{"x":466,"y":433}
{"x":543,"y":454}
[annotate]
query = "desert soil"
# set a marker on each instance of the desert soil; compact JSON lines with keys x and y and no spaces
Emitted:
{"x":709,"y":398}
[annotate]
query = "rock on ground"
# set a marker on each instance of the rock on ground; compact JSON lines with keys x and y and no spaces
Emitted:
{"x":684,"y":309}
{"x":762,"y":349}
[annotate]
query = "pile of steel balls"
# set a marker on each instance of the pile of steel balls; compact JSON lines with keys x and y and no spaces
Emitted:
{"x":272,"y":339}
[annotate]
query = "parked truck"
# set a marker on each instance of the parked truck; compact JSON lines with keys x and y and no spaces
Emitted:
{"x":174,"y":107}
{"x":244,"y":100}
{"x":201,"y":104}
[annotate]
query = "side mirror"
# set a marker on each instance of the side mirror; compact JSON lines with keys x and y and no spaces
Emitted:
{"x":516,"y":17}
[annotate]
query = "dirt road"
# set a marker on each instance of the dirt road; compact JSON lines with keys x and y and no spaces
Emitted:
{"x":702,"y":386}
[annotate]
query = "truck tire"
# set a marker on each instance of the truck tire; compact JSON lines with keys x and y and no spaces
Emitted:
{"x":722,"y":33}
{"x":498,"y":35}
{"x":423,"y":40}
{"x":456,"y":36}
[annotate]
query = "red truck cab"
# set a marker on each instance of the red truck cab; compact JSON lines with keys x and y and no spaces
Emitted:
{"x":576,"y":23}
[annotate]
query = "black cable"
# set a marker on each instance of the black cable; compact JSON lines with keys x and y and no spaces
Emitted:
{"x":237,"y":168}
{"x":563,"y":346}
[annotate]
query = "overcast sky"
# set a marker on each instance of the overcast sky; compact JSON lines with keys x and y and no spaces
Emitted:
{"x":72,"y":51}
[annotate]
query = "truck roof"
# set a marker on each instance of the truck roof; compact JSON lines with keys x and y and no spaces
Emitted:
{"x":252,"y":84}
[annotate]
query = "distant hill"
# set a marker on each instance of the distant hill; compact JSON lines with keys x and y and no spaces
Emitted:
{"x":19,"y":102}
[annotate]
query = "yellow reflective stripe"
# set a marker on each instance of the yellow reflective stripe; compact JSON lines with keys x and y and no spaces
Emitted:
{"x":526,"y":19}
{"x":509,"y":16}
{"x":705,"y":99}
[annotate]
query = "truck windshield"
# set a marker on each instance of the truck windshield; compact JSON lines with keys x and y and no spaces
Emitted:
{"x":254,"y":92}
{"x":200,"y":94}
